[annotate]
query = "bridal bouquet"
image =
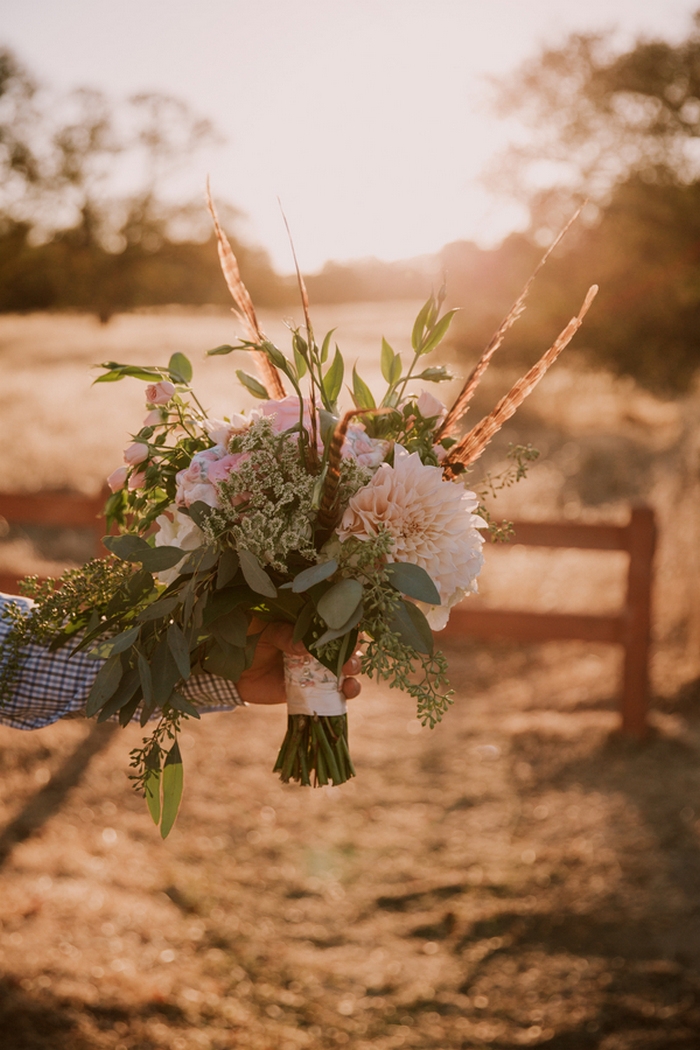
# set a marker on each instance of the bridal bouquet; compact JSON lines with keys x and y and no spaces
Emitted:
{"x":351,"y":523}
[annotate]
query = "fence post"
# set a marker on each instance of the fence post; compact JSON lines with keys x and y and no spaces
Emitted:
{"x":641,"y":540}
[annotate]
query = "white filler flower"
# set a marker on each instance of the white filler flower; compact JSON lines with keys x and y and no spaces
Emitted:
{"x":431,"y":522}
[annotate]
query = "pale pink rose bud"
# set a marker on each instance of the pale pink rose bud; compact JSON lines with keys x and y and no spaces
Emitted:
{"x":136,"y":453}
{"x":429,"y":406}
{"x":136,"y":481}
{"x":153,"y":418}
{"x":117,"y":479}
{"x":159,"y":393}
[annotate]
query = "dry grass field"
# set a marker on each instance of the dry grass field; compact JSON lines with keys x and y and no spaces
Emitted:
{"x":517,"y":877}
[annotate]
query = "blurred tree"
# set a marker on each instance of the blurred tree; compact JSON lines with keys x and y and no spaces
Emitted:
{"x":624,"y":131}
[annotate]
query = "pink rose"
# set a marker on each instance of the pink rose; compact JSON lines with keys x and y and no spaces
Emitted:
{"x":136,"y":453}
{"x":429,"y":406}
{"x":369,"y":452}
{"x":154,"y":417}
{"x":220,"y":470}
{"x":159,"y":393}
{"x":117,"y":479}
{"x":136,"y":481}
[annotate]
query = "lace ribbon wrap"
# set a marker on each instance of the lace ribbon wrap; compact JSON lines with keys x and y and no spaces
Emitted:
{"x":311,"y":688}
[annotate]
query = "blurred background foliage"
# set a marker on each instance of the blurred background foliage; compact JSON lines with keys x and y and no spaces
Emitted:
{"x":618,"y":130}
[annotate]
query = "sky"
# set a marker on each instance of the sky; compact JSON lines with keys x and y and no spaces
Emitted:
{"x":369,"y":119}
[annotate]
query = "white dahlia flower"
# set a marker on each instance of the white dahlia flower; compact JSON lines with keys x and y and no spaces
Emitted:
{"x":431,"y":522}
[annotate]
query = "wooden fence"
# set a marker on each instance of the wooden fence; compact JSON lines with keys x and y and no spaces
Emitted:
{"x":630,"y":627}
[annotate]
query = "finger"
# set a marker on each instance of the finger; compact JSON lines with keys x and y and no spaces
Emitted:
{"x":280,"y":635}
{"x":351,"y":688}
{"x":352,"y":666}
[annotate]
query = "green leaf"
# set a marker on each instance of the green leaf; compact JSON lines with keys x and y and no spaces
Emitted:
{"x":200,"y":512}
{"x":253,"y":385}
{"x":362,"y":395}
{"x":275,"y":355}
{"x":333,"y":379}
{"x":437,"y":374}
{"x":180,"y":649}
{"x":232,"y":628}
{"x":300,"y":362}
{"x":105,"y":685}
{"x":313,"y":575}
{"x":420,"y":323}
{"x":304,"y":621}
{"x":127,"y":688}
{"x":156,"y":559}
{"x":164,"y":672}
{"x":172,"y":789}
{"x":226,"y":661}
{"x":200,"y":560}
{"x":412,"y":628}
{"x":119,"y":644}
{"x":339,"y":603}
{"x":151,"y":785}
{"x":222,"y":602}
{"x":182,"y":704}
{"x":395,"y":373}
{"x":414,"y":581}
{"x":386,"y":360}
{"x":128,"y":548}
{"x":326,"y":346}
{"x":438,"y":333}
{"x":255,"y":576}
{"x":117,"y":372}
{"x":180,"y":368}
{"x":145,"y":677}
{"x":228,"y":567}
{"x":159,"y":609}
{"x":338,"y":632}
{"x":221,"y":350}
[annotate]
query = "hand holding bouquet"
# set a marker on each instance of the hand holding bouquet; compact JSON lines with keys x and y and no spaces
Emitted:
{"x":352,"y":525}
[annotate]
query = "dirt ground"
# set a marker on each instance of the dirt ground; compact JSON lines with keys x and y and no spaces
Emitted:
{"x":517,"y":877}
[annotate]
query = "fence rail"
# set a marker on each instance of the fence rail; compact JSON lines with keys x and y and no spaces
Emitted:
{"x":630,"y":627}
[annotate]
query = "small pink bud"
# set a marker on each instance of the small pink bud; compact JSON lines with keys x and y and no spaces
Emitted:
{"x":153,"y":418}
{"x":117,"y":479}
{"x":159,"y":393}
{"x":136,"y":481}
{"x":136,"y":453}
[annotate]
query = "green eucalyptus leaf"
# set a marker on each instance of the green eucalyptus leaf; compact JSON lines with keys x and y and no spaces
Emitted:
{"x":226,"y":661}
{"x":163,"y":607}
{"x":313,"y":575}
{"x":255,"y":576}
{"x":156,"y":559}
{"x":304,"y":621}
{"x":200,"y":512}
{"x":105,"y":685}
{"x":151,"y":785}
{"x":182,"y":704}
{"x":180,"y":368}
{"x":127,"y":689}
{"x":164,"y":672}
{"x":222,"y":602}
{"x":331,"y":635}
{"x":333,"y":379}
{"x":202,"y":559}
{"x":412,"y":627}
{"x":128,"y":547}
{"x":413,"y":581}
{"x":228,"y":567}
{"x":339,"y":603}
{"x":231,"y":628}
{"x":119,"y":644}
{"x":172,"y":777}
{"x":253,"y":385}
{"x":145,"y":678}
{"x":179,"y":649}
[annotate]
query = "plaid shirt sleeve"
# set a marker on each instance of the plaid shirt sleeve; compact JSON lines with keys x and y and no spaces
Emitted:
{"x":56,"y":685}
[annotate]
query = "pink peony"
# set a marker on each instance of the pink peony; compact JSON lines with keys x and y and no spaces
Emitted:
{"x":136,"y":453}
{"x":431,"y":522}
{"x":117,"y":479}
{"x":159,"y":393}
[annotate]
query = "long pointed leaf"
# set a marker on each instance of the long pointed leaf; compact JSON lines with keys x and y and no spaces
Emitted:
{"x":172,"y":789}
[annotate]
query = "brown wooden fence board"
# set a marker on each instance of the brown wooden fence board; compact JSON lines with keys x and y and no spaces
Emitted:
{"x":533,"y":627}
